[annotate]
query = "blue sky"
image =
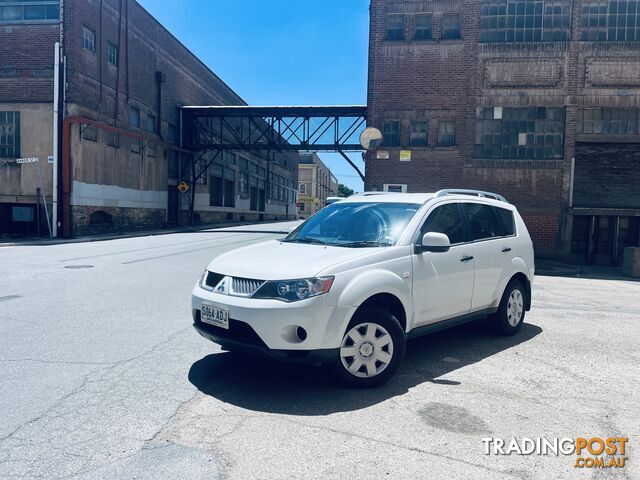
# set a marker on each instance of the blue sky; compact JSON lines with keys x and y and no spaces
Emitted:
{"x":280,"y":52}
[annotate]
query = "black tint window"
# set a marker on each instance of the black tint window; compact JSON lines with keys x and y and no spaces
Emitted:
{"x":445,"y":219}
{"x":483,"y":222}
{"x":506,"y":216}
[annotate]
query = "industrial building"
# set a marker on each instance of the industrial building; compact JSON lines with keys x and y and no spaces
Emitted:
{"x":538,"y":100}
{"x":122,"y":80}
{"x":315,"y":184}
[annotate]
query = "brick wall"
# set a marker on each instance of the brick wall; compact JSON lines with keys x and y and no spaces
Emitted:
{"x":448,"y":79}
{"x":607,"y":175}
{"x":26,"y":62}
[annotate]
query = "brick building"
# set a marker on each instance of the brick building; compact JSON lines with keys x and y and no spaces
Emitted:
{"x":315,"y":184}
{"x":538,"y":100}
{"x":125,"y":77}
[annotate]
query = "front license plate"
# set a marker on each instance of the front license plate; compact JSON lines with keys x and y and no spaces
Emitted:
{"x":215,"y":315}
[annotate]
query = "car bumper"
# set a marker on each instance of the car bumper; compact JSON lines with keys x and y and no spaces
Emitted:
{"x":269,"y":327}
{"x":311,"y":357}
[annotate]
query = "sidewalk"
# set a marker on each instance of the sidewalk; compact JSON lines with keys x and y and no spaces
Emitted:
{"x":32,"y":241}
{"x":554,"y":268}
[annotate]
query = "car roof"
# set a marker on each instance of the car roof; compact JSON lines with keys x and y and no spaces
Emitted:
{"x":421,"y":198}
{"x":389,"y":197}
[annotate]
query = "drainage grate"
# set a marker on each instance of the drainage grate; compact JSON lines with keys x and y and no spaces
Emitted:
{"x":78,"y":266}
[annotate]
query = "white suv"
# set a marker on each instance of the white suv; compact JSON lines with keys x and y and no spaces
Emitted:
{"x":350,"y":285}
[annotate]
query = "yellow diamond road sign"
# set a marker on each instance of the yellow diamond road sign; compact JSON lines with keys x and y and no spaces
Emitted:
{"x":183,"y":187}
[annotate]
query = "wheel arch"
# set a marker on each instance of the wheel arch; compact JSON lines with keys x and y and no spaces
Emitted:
{"x":524,"y":280}
{"x":389,"y":302}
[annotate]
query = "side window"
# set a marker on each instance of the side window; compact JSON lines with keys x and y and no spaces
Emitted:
{"x":483,"y":221}
{"x":506,"y":217}
{"x":445,"y":219}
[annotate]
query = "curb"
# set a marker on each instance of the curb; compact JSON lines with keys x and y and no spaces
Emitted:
{"x":142,"y":233}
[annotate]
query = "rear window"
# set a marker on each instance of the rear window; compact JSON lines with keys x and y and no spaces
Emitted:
{"x":483,"y":221}
{"x":506,"y":217}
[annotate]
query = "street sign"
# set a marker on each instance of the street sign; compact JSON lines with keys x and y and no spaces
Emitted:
{"x":183,"y":187}
{"x":27,"y":160}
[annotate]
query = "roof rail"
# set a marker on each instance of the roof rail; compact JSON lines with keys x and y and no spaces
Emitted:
{"x":476,"y":193}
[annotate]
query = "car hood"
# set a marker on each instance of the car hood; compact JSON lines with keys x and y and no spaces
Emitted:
{"x":275,"y":260}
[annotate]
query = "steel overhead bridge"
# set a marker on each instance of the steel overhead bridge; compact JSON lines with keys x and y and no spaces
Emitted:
{"x":319,"y":128}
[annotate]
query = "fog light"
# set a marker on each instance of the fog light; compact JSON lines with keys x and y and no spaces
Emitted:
{"x":301,"y":333}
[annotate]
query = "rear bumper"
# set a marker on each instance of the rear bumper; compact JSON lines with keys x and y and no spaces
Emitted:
{"x":245,"y":342}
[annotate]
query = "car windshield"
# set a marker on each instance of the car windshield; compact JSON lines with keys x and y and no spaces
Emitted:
{"x":356,"y":225}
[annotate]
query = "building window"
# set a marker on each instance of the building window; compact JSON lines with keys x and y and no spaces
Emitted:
{"x":608,"y":121}
{"x":423,"y":29}
{"x":88,"y":132}
{"x":395,"y":28}
{"x":303,"y":189}
{"x":9,"y":134}
{"x":151,"y":149}
{"x":525,"y":21}
{"x":113,"y":140}
{"x":446,"y":133}
{"x":418,"y":136}
{"x":450,"y":26}
{"x":201,"y":170}
{"x":520,"y":133}
{"x":216,"y":186}
{"x":112,"y":54}
{"x":88,"y":39}
{"x":134,"y":116}
{"x":136,"y":146}
{"x":611,"y":21}
{"x":172,"y":133}
{"x":391,"y":134}
{"x":173,"y":168}
{"x":229,"y":158}
{"x":244,"y":182}
{"x":25,"y":11}
{"x":151,"y":123}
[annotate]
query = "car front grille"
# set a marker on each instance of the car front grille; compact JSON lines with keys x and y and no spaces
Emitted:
{"x":245,"y":286}
{"x":213,"y":279}
{"x":241,"y":287}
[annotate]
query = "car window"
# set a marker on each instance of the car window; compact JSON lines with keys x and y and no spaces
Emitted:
{"x":445,"y":219}
{"x":483,"y":221}
{"x":506,"y":217}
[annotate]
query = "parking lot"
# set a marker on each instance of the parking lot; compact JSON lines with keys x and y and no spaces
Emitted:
{"x":103,"y":377}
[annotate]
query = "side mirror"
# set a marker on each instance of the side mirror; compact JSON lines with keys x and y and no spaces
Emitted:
{"x":435,"y":242}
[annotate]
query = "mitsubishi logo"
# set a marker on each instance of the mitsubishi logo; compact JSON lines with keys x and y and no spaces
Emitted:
{"x":222,"y":286}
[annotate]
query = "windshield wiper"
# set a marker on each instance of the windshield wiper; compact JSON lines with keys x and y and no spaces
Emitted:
{"x":309,"y":240}
{"x":365,"y":243}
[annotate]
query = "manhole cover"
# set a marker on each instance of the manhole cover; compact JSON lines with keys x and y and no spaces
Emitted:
{"x":78,"y":266}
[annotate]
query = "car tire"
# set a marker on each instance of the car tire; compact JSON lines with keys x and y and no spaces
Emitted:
{"x":371,"y":350}
{"x":509,"y":317}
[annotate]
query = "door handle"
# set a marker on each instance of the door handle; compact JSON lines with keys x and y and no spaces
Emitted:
{"x":466,"y":258}
{"x":506,"y":249}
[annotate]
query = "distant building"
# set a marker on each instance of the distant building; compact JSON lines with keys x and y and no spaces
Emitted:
{"x":535,"y":100}
{"x":120,"y":157}
{"x":315,"y":184}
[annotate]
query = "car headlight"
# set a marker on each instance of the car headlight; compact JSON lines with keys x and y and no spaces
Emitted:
{"x":294,"y":290}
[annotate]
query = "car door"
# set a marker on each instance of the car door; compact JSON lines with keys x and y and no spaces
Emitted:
{"x":443,"y":281}
{"x":493,"y":252}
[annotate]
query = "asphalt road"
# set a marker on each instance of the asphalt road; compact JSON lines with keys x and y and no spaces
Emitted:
{"x":102,"y":376}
